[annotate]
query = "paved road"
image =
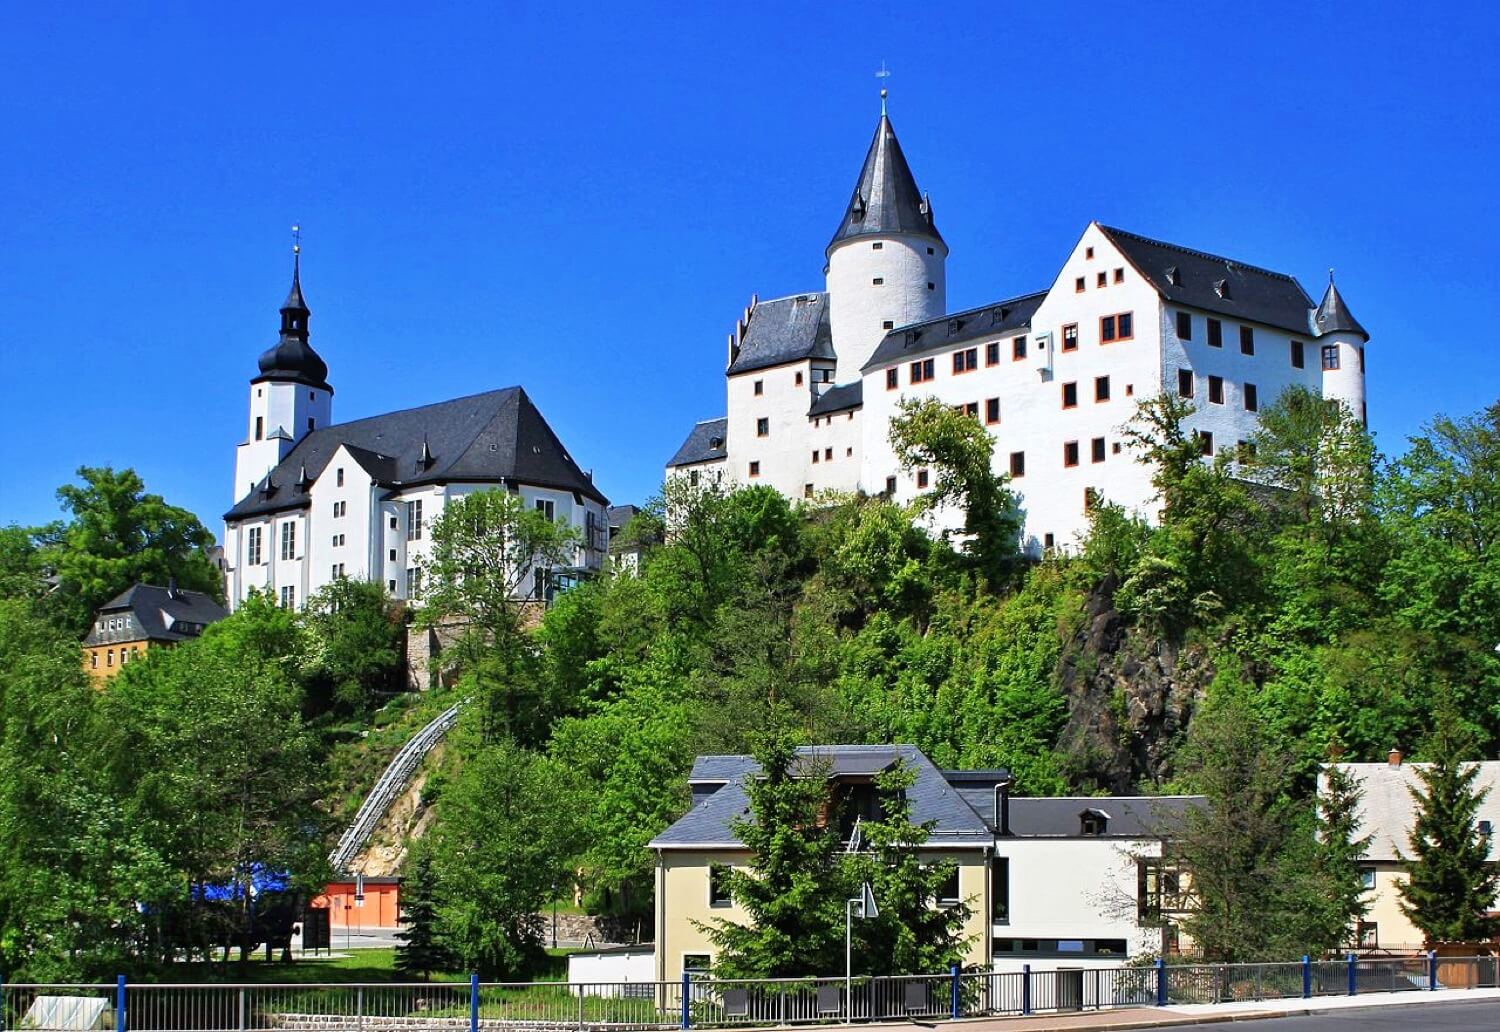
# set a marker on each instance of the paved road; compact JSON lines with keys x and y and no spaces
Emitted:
{"x":1430,"y":1017}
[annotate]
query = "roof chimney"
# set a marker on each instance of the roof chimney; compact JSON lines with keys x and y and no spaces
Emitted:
{"x":1002,"y":807}
{"x":1394,"y":759}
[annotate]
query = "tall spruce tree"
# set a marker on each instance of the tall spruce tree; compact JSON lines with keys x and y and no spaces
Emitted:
{"x":1340,"y":902}
{"x":1450,"y":884}
{"x":420,"y":952}
{"x":795,"y":888}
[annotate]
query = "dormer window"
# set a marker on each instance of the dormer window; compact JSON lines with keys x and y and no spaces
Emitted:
{"x":1093,"y":822}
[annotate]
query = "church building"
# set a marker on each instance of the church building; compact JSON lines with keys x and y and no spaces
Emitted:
{"x":317,"y":500}
{"x":813,"y":380}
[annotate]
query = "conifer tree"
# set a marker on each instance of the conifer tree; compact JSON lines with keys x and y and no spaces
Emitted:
{"x":420,"y":951}
{"x":1340,"y":901}
{"x":1450,"y":883}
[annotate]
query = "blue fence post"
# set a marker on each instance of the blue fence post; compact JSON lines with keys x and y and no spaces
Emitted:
{"x":1432,"y":969}
{"x":1161,"y":982}
{"x":954,"y":1009}
{"x":120,"y":1003}
{"x":687,"y":995}
{"x":1025,"y":988}
{"x":1353,"y":989}
{"x":473,"y":1003}
{"x":1306,"y":977}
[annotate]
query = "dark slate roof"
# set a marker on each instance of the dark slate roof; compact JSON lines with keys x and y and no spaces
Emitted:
{"x":705,"y":443}
{"x":1333,"y":315}
{"x":495,"y":437}
{"x":788,"y":329}
{"x":154,"y":612}
{"x":1001,"y":317}
{"x":886,"y":199}
{"x":1128,"y":816}
{"x":709,"y":822}
{"x":838,"y":399}
{"x":1215,"y":284}
{"x":292,"y":357}
{"x":619,"y":515}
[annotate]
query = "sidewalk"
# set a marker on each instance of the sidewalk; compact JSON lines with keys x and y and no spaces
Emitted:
{"x":1202,"y":1013}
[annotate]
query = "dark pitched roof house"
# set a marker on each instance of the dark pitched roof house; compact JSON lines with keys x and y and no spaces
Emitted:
{"x":787,"y":329}
{"x":495,"y":437}
{"x":705,"y":443}
{"x":146,"y":612}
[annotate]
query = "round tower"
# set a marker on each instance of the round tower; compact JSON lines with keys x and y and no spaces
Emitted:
{"x":1341,"y":351}
{"x":886,"y":263}
{"x":289,"y":399}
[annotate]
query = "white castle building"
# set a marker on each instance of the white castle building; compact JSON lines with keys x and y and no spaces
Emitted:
{"x":814,"y":379}
{"x":317,"y":500}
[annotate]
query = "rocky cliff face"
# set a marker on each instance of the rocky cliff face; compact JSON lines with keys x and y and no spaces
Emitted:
{"x":1130,"y":695}
{"x":406,"y":820}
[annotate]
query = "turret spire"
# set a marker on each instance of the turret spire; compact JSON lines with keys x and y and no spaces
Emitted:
{"x":1333,"y":315}
{"x":292,"y":357}
{"x":886,"y":199}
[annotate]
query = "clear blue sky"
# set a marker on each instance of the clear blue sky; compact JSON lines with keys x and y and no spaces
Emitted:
{"x":581,"y":198}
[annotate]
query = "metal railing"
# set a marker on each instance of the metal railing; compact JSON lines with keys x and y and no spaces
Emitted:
{"x":693,"y":1002}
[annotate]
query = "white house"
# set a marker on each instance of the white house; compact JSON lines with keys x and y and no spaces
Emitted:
{"x":317,"y":500}
{"x":813,"y":380}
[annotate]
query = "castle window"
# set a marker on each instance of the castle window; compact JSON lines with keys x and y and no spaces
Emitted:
{"x":992,"y":410}
{"x":1116,"y":327}
{"x":970,"y":408}
{"x":1078,"y":285}
{"x":1101,"y":280}
{"x":1018,"y":349}
{"x":888,"y":325}
{"x":1184,"y":383}
{"x":252,"y":547}
{"x":1252,"y":398}
{"x":807,"y":490}
{"x":1070,"y":337}
{"x":922,"y":370}
{"x":966,"y":361}
{"x":992,"y":353}
{"x":763,"y":427}
{"x":1330,"y":356}
{"x":890,"y":487}
{"x":1216,"y":390}
{"x":1070,"y":395}
{"x":816,"y":454}
{"x":1215,"y":333}
{"x":878,"y":281}
{"x":1088,"y":252}
{"x":932,"y":286}
{"x":1017,"y":464}
{"x":876,"y":246}
{"x":391,"y":556}
{"x":1299,"y":358}
{"x":393,"y":523}
{"x":921,"y":478}
{"x":892,"y":378}
{"x":1206,"y":442}
{"x":1247,"y":340}
{"x":260,"y":428}
{"x":1070,"y":453}
{"x":1049,"y":541}
{"x":390,"y":585}
{"x":849,"y":452}
{"x":1119,"y":275}
{"x":414,"y":521}
{"x":288,"y":596}
{"x":798,"y":378}
{"x":931,"y":250}
{"x":1184,"y":326}
{"x":755,"y":469}
{"x":693,"y":478}
{"x":311,"y":424}
{"x":1101,"y":388}
{"x":289,"y":540}
{"x":546,"y":506}
{"x":339,"y":476}
{"x":759,"y":388}
{"x":1096,"y":449}
{"x":828,"y":454}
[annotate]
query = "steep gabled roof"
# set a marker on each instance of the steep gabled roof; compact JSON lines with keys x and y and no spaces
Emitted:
{"x":495,"y":437}
{"x":838,"y":399}
{"x":886,"y":199}
{"x":787,"y":329}
{"x":1215,"y":284}
{"x":999,"y":318}
{"x":710,"y":822}
{"x":705,"y":443}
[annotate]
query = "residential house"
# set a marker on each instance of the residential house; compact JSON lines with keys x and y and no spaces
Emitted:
{"x":143,"y":617}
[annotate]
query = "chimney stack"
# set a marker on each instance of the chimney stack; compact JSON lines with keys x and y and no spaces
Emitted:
{"x":1394,"y":759}
{"x":1002,"y":807}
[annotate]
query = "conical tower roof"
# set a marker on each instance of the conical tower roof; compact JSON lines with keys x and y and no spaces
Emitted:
{"x":1333,"y":315}
{"x":886,"y":199}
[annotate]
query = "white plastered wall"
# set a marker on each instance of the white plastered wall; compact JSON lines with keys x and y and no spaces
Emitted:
{"x":905,"y":264}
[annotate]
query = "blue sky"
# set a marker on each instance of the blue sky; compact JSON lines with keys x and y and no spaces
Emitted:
{"x":580,"y":199}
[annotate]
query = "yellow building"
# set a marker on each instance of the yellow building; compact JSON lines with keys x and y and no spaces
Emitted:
{"x":693,"y":853}
{"x":144,"y":617}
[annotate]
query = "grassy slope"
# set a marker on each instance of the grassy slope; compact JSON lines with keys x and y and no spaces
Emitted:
{"x":359,"y":752}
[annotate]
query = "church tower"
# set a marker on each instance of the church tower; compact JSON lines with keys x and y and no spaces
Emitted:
{"x":291,"y":396}
{"x":1341,"y":350}
{"x":886,"y":262}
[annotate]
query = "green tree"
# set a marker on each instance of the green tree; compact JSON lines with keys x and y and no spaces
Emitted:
{"x":355,"y":639}
{"x":917,"y":931}
{"x":959,"y":451}
{"x":1339,"y":903}
{"x":118,"y":535}
{"x":1450,"y":885}
{"x":508,"y":836}
{"x":489,"y":551}
{"x":419,"y":951}
{"x":796,"y":885}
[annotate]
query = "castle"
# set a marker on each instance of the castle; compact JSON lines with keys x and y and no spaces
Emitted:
{"x":316,"y":501}
{"x":814,"y":380}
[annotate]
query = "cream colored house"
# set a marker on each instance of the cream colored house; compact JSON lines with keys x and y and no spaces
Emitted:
{"x":1387,"y":813}
{"x":1059,"y":883}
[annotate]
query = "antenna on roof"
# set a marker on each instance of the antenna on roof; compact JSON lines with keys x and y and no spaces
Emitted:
{"x":884,"y":75}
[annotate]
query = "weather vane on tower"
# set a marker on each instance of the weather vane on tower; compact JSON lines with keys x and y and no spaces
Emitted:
{"x":884,"y":76}
{"x":297,"y":239}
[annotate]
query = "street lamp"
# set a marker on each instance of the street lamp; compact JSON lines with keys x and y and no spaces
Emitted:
{"x":867,"y":909}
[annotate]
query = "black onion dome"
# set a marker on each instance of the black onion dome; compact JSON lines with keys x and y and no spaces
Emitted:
{"x":292,"y":357}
